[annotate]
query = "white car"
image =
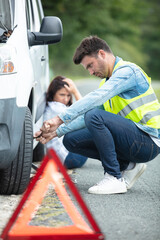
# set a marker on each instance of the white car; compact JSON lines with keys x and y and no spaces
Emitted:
{"x":24,"y":78}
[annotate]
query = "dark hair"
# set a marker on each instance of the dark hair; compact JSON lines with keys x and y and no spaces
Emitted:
{"x":90,"y":46}
{"x":56,"y":84}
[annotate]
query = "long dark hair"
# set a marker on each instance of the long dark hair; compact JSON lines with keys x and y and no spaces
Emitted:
{"x":56,"y":84}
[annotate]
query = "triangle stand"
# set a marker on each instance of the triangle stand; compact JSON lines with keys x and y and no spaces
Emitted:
{"x":51,"y":172}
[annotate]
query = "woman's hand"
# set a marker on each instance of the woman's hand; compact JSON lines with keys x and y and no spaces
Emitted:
{"x":72,"y":88}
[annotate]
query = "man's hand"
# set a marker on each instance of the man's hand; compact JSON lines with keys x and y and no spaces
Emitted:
{"x":46,"y":137}
{"x":37,"y":135}
{"x":48,"y":130}
{"x":51,"y":125}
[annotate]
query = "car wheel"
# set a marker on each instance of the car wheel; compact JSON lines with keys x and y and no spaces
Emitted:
{"x":15,"y":179}
{"x":38,"y":152}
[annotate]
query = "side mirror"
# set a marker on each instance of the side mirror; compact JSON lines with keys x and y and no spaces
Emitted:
{"x":51,"y":31}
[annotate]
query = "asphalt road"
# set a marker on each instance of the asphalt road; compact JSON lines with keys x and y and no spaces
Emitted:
{"x":134,"y":215}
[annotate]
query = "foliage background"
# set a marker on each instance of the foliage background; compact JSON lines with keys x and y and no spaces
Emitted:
{"x":131,"y":28}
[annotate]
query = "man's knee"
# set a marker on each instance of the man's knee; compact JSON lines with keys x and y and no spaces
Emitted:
{"x":91,"y":115}
{"x":66,"y":141}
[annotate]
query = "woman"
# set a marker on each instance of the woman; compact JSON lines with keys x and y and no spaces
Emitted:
{"x":59,"y":96}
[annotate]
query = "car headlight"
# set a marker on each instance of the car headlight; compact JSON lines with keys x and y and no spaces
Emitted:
{"x":7,"y":59}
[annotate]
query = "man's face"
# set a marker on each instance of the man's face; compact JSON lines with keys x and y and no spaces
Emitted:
{"x":96,"y":65}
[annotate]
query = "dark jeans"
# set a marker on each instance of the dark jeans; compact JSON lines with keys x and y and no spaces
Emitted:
{"x":74,"y":160}
{"x":112,"y":139}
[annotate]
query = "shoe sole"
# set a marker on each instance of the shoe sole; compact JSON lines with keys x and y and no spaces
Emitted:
{"x":137,"y":176}
{"x":123,"y":191}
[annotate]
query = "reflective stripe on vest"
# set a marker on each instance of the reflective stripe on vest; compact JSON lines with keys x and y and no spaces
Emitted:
{"x":143,"y":109}
{"x":137,"y":103}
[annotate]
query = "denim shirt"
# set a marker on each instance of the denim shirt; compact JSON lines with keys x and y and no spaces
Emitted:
{"x":127,"y":81}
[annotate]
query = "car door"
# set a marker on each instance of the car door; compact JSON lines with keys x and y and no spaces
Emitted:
{"x":38,"y":53}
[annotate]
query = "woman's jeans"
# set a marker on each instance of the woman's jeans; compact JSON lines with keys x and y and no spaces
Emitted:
{"x":74,"y":160}
{"x":112,"y":139}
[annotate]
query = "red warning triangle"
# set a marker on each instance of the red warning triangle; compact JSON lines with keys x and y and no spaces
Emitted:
{"x":50,"y":172}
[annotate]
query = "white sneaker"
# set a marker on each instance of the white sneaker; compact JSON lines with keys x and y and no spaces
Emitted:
{"x":109,"y":185}
{"x":131,"y":176}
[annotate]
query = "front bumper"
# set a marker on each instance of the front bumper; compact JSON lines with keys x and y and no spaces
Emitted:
{"x":11,"y":126}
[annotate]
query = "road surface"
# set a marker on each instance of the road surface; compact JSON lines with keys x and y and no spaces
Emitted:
{"x":134,"y":215}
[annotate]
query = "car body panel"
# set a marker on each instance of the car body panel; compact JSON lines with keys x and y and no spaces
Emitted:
{"x":30,"y":77}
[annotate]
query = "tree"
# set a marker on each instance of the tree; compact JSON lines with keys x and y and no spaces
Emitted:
{"x":123,"y":24}
{"x":151,"y":36}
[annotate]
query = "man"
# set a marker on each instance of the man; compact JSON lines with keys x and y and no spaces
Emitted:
{"x":119,"y":123}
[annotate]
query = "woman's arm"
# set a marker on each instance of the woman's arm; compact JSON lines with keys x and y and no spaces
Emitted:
{"x":72,"y":88}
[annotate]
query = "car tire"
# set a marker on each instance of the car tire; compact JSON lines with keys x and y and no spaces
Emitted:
{"x":38,"y":152}
{"x":15,"y":179}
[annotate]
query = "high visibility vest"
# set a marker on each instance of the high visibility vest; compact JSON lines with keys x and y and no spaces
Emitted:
{"x":143,"y":109}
